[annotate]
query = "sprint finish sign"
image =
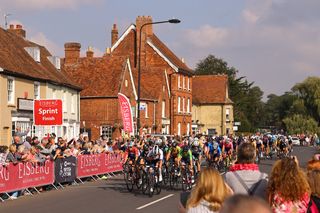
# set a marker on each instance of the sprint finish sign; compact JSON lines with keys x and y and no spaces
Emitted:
{"x":47,"y":112}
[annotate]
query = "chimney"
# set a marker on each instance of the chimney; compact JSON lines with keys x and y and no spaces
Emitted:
{"x":72,"y":52}
{"x":108,"y":50}
{"x":182,"y":60}
{"x":18,"y":30}
{"x":146,"y":30}
{"x":90,"y":52}
{"x":114,"y":34}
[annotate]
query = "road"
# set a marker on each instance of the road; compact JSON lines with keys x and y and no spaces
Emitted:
{"x":112,"y":196}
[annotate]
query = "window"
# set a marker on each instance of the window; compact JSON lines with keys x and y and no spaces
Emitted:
{"x":179,"y":84}
{"x":106,"y":131}
{"x":227,"y":114}
{"x":211,"y":131}
{"x":188,"y":129}
{"x":10,"y":88}
{"x":72,"y":103}
{"x":188,"y":105}
{"x":163,"y":109}
{"x":183,"y":105}
{"x":179,"y":105}
{"x":146,"y":111}
{"x":64,"y":101}
{"x":54,"y":95}
{"x":183,"y":82}
{"x":36,"y":90}
{"x":179,"y":128}
{"x":189,"y":84}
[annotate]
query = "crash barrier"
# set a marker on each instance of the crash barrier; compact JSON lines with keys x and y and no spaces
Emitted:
{"x":16,"y":177}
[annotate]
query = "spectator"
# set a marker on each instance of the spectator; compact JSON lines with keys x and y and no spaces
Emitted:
{"x":244,"y":176}
{"x":209,"y":192}
{"x":288,"y":188}
{"x":313,"y":174}
{"x":3,"y":155}
{"x":12,"y":156}
{"x":245,"y":204}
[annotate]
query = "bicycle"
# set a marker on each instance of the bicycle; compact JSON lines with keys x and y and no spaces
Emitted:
{"x":186,"y":181}
{"x":150,"y":181}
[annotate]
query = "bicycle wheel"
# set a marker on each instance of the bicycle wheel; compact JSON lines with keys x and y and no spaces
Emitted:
{"x":129,"y":181}
{"x":165,"y":175}
{"x":144,"y":185}
{"x":151,"y":185}
{"x":139,"y":179}
{"x":186,"y":180}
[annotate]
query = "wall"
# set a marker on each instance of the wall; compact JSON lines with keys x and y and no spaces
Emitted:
{"x":213,"y":117}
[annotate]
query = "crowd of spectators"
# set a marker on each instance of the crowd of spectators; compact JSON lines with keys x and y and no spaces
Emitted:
{"x":245,"y":189}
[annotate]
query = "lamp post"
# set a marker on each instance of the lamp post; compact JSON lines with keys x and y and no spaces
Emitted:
{"x":171,"y":21}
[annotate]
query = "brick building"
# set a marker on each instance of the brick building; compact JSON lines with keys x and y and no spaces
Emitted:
{"x":166,"y":83}
{"x":212,"y":110}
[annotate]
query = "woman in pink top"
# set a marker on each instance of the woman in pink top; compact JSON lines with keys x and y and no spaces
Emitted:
{"x":288,"y":188}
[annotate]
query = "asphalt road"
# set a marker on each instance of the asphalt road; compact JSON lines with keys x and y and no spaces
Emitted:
{"x":112,"y":196}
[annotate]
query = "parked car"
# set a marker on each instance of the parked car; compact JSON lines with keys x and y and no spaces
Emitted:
{"x":295,"y":141}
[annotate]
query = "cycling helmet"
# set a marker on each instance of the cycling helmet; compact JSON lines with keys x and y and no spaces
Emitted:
{"x":174,"y":144}
{"x":131,"y":144}
{"x":185,"y":149}
{"x":155,"y":150}
{"x":196,"y":143}
{"x":145,"y":147}
{"x":158,"y":142}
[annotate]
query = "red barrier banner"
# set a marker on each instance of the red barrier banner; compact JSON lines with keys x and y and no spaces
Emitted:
{"x":113,"y":163}
{"x":25,"y":175}
{"x":97,"y":164}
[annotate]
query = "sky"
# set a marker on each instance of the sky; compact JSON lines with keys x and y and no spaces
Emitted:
{"x":274,"y":43}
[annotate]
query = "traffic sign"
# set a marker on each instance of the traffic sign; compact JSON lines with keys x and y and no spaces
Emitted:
{"x":47,"y":112}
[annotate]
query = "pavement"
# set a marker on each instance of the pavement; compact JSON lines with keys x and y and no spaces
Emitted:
{"x":111,"y":195}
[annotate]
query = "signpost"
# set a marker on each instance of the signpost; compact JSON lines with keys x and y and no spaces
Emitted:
{"x":47,"y":112}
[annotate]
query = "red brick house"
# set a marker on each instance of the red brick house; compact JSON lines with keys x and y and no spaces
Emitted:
{"x":166,"y":83}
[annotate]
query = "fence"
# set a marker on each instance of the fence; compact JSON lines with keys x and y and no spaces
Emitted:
{"x":30,"y":175}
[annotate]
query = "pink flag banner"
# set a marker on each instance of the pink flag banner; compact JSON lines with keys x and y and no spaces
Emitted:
{"x":127,"y":118}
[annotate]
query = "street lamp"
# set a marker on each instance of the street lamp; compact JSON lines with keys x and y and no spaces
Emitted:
{"x":171,"y":21}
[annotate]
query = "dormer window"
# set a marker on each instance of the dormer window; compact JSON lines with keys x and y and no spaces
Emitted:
{"x":34,"y":52}
{"x":55,"y":60}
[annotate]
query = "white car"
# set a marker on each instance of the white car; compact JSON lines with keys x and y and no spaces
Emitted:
{"x":295,"y":141}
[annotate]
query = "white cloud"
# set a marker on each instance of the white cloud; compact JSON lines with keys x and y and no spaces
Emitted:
{"x":273,"y":55}
{"x":44,"y":4}
{"x":206,"y":36}
{"x":250,"y":17}
{"x":41,"y":38}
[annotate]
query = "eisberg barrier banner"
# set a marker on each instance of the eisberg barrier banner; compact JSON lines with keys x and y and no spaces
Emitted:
{"x":25,"y":175}
{"x":96,"y":164}
{"x":65,"y":169}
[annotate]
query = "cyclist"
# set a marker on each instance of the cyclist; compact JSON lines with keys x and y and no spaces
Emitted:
{"x":155,"y":157}
{"x":213,"y":151}
{"x":196,"y":152}
{"x":186,"y":157}
{"x":131,"y":154}
{"x":174,"y":153}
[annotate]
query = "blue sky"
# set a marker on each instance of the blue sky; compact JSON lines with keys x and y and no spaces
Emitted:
{"x":275,"y":43}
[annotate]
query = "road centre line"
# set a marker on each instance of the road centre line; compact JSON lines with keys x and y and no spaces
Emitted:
{"x":153,"y":202}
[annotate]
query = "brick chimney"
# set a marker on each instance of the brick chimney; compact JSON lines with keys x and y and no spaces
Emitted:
{"x":146,"y":31}
{"x":114,"y":34}
{"x":18,"y":30}
{"x":90,"y":52}
{"x":72,"y":52}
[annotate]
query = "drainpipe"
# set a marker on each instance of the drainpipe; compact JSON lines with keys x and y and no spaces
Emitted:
{"x":154,"y":115}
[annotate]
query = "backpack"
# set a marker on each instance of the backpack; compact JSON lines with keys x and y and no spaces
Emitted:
{"x":251,"y":191}
{"x":312,"y":206}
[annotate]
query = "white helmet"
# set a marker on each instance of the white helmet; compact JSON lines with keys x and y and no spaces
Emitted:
{"x":196,"y":143}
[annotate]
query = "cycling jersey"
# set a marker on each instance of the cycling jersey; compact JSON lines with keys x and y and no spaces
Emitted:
{"x":196,"y":151}
{"x":213,"y":146}
{"x":186,"y":156}
{"x":175,"y":151}
{"x":133,"y":153}
{"x":228,"y":146}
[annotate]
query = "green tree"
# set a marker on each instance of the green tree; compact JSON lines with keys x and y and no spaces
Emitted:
{"x":297,"y":124}
{"x":309,"y":94}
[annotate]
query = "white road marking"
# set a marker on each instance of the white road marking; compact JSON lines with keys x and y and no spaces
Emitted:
{"x":153,"y":202}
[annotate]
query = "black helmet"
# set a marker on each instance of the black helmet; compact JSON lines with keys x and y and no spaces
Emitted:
{"x":145,"y":147}
{"x":174,"y":144}
{"x":185,"y":148}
